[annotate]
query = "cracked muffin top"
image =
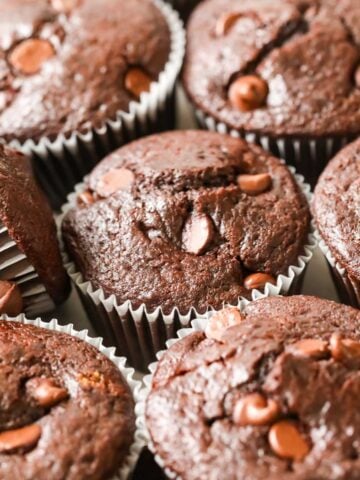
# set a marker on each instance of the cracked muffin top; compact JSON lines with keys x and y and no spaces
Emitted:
{"x":267,"y":393}
{"x":69,"y":65}
{"x":337,"y":208}
{"x":66,"y":410}
{"x":186,"y":219}
{"x":281,"y":68}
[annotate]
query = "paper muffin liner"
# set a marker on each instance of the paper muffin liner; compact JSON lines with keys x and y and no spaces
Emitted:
{"x":59,"y":164}
{"x":15,"y":267}
{"x":120,"y":362}
{"x":348,"y":288}
{"x":308,"y":155}
{"x":139,"y":333}
{"x":198,"y":324}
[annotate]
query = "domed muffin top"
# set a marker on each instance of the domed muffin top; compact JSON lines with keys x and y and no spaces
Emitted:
{"x":69,"y":65}
{"x":275,"y":396}
{"x":277,"y":67}
{"x":66,"y":410}
{"x":186,"y":219}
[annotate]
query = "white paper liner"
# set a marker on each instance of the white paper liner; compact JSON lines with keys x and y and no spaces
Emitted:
{"x":197,"y":325}
{"x":308,"y":156}
{"x":139,"y":333}
{"x":348,"y":288}
{"x":59,"y":164}
{"x":120,"y":362}
{"x":15,"y":267}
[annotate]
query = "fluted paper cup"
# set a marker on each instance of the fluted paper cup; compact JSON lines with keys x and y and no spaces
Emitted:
{"x":197,"y":325}
{"x":120,"y":362}
{"x":15,"y":267}
{"x":139,"y":333}
{"x":308,"y":155}
{"x":348,"y":288}
{"x":60,"y":163}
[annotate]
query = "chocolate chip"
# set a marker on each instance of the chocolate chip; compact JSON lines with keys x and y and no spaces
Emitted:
{"x":258,"y":280}
{"x":137,"y":81}
{"x":221,"y":321}
{"x":114,"y":180}
{"x":254,"y":409}
{"x":248,"y":93}
{"x":197,"y":234}
{"x":254,"y":184}
{"x":310,"y":347}
{"x":46,"y":392}
{"x":29,"y":55}
{"x":85,"y":198}
{"x":225,"y":22}
{"x":20,"y":439}
{"x":11,"y":302}
{"x":345,"y":350}
{"x":287,"y":442}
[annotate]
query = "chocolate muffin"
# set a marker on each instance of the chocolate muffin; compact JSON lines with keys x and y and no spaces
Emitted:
{"x":32,"y":276}
{"x":70,"y":65}
{"x":337,"y":213}
{"x":286,"y":72}
{"x":273,"y":396}
{"x":79,"y":78}
{"x":186,"y":219}
{"x":68,"y":411}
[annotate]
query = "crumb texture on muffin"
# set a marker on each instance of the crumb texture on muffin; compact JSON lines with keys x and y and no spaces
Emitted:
{"x":185,"y":219}
{"x":307,"y":52}
{"x":276,"y":397}
{"x":64,"y":63}
{"x":66,"y":410}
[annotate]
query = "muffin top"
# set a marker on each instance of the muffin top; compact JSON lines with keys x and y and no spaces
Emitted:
{"x":67,"y":412}
{"x":69,"y":65}
{"x":337,"y":208}
{"x":285,"y":67}
{"x":26,"y":214}
{"x":275,"y":396}
{"x":186,"y":218}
